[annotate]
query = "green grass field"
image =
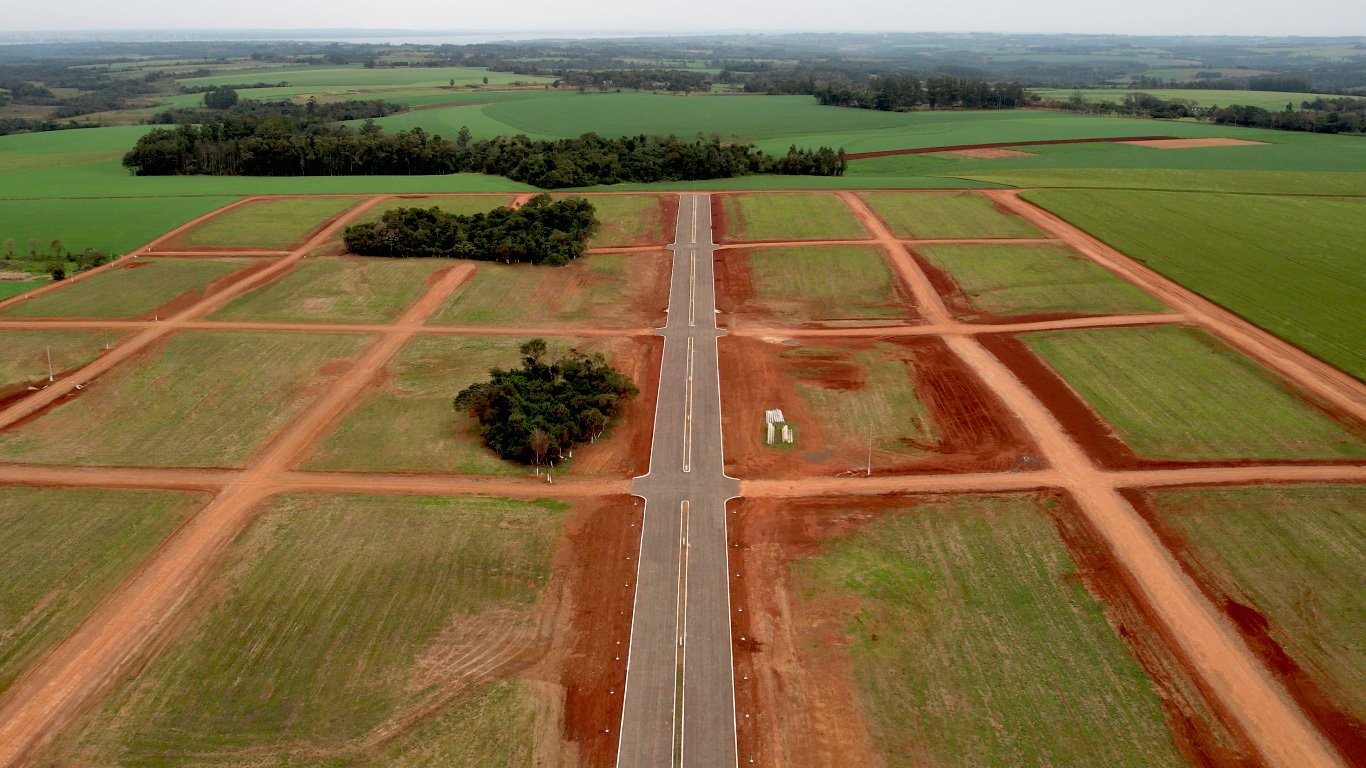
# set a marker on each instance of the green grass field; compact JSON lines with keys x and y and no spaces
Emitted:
{"x":604,"y":290}
{"x":279,"y":224}
{"x":1176,"y":393}
{"x":10,"y":288}
{"x":1272,"y":100}
{"x":332,"y":289}
{"x":203,"y":398}
{"x":61,"y":550}
{"x":1290,"y":265}
{"x":26,"y":352}
{"x":114,"y":226}
{"x":789,"y":217}
{"x":1298,"y":555}
{"x":974,"y":642}
{"x":135,"y":290}
{"x":1024,"y":279}
{"x":833,"y":284}
{"x":934,"y":215}
{"x":463,"y":205}
{"x":631,"y":220}
{"x":300,"y":657}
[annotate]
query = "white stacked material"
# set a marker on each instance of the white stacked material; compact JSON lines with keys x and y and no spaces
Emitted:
{"x":787,"y":434}
{"x":770,"y":433}
{"x":774,"y":416}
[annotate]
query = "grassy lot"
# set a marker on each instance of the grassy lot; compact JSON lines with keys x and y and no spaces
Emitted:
{"x":1290,"y":265}
{"x":132,"y":291}
{"x":300,"y":657}
{"x":203,"y":398}
{"x":887,"y":399}
{"x":1024,"y":279}
{"x":975,"y":641}
{"x":463,"y":205}
{"x":789,"y":217}
{"x":840,"y":284}
{"x":333,"y":289}
{"x":952,"y":214}
{"x":26,"y":352}
{"x":280,"y":224}
{"x":630,"y":220}
{"x":1298,"y":555}
{"x":14,"y":288}
{"x":606,"y":290}
{"x":61,"y":550}
{"x":1176,"y":393}
{"x":111,"y":225}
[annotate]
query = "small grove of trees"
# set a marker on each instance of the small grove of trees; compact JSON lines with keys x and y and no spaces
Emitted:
{"x":543,"y":231}
{"x":902,"y":92}
{"x":302,"y":114}
{"x":222,"y":97}
{"x":546,"y":407}
{"x":276,"y":146}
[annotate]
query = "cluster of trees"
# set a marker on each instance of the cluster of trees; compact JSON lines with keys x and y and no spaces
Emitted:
{"x":546,"y":407}
{"x":32,"y":84}
{"x":301,"y":114}
{"x":1218,"y":82}
{"x":544,"y":231}
{"x":672,"y":80}
{"x":51,"y":258}
{"x":10,"y":125}
{"x":1322,"y":115}
{"x":277,"y":146}
{"x":903,"y":92}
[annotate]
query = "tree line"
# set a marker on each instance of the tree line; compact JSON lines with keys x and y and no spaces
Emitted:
{"x":897,"y":93}
{"x":279,"y":146}
{"x":302,"y":114}
{"x":1322,"y":115}
{"x":544,"y":231}
{"x":544,"y":408}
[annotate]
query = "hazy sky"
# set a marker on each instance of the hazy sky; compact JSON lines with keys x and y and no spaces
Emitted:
{"x":1194,"y":17}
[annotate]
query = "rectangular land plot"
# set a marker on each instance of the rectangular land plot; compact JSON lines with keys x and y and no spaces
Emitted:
{"x":273,"y":223}
{"x":1294,"y":554}
{"x":202,"y":398}
{"x":337,"y":289}
{"x":462,"y":205}
{"x":785,"y":216}
{"x":630,"y":220}
{"x":1013,"y":280}
{"x":140,"y":289}
{"x":831,"y":285}
{"x":25,"y":354}
{"x":410,"y":425}
{"x":1175,"y":393}
{"x":296,"y":655}
{"x":601,"y":290}
{"x":974,"y":639}
{"x":931,"y":215}
{"x":62,"y":550}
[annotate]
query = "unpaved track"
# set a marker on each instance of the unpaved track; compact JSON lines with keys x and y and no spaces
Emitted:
{"x":1305,"y":370}
{"x":97,"y":324}
{"x":733,"y":245}
{"x":1265,"y":713}
{"x":742,"y":327}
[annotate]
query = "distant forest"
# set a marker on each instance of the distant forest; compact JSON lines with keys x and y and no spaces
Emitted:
{"x":1322,"y":115}
{"x":278,"y":146}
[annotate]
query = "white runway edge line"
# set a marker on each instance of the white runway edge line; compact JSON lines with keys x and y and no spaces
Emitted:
{"x":680,"y":676}
{"x":687,"y":414}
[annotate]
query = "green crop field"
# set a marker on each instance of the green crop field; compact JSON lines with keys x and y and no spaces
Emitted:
{"x":935,"y":215}
{"x":887,"y":399}
{"x":1298,"y":555}
{"x":632,"y":220}
{"x":1176,"y":393}
{"x":837,"y":284}
{"x":1290,"y":265}
{"x":300,"y":657}
{"x":203,"y":398}
{"x":61,"y":550}
{"x":603,"y":290}
{"x":279,"y":224}
{"x":789,"y":217}
{"x":975,"y":641}
{"x":10,"y":288}
{"x":332,"y":289}
{"x":26,"y":353}
{"x":1272,"y":100}
{"x":133,"y":290}
{"x":114,"y":226}
{"x":463,"y":205}
{"x":1022,"y":279}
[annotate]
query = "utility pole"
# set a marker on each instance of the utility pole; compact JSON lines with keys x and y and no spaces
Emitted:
{"x":869,"y":471}
{"x":49,"y":363}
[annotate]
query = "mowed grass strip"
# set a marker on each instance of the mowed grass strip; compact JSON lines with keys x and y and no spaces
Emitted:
{"x":26,"y":353}
{"x":462,"y":205}
{"x":61,"y":550}
{"x":203,"y":398}
{"x":628,"y":220}
{"x":833,"y":284}
{"x":133,"y":290}
{"x":331,"y":289}
{"x":1176,"y":393}
{"x":1008,"y":279}
{"x":605,"y":290}
{"x":328,"y":620}
{"x":1297,"y":554}
{"x":1290,"y":265}
{"x":929,"y":215}
{"x":789,"y":216}
{"x":278,"y":224}
{"x":975,"y":641}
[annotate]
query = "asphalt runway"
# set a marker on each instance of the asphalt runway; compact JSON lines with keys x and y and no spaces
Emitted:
{"x":679,"y":706}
